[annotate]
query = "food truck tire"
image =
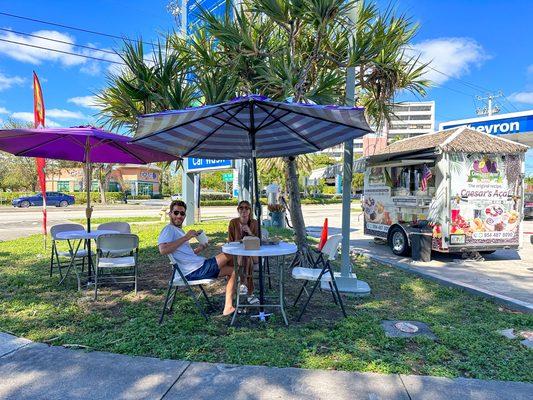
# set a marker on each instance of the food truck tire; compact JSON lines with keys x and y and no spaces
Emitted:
{"x":398,"y":241}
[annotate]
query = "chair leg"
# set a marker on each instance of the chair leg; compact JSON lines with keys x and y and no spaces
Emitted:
{"x":196,"y":302}
{"x":300,"y":293}
{"x":206,"y":296}
{"x":310,"y":295}
{"x":52,"y":259}
{"x":337,"y":292}
{"x":173,"y":299}
{"x":333,"y":293}
{"x":96,"y":284}
{"x":135,"y":273}
{"x":166,"y":302}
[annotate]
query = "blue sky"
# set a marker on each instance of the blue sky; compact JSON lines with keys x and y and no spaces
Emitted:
{"x":480,"y":45}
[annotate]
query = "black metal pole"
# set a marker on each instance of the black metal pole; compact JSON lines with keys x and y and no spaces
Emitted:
{"x":257,"y":210}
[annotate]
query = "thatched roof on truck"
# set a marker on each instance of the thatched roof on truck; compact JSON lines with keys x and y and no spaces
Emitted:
{"x":454,"y":140}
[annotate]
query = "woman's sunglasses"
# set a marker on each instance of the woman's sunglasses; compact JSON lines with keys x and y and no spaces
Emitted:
{"x":182,"y":213}
{"x":243,"y":208}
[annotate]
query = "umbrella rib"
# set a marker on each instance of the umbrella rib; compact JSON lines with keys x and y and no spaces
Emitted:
{"x":317,"y":117}
{"x":276,"y":119}
{"x":268,"y":115}
{"x":212,"y":133}
{"x":243,"y":126}
{"x":120,"y":146}
{"x":229,"y":122}
{"x":185,"y":123}
{"x":295,"y":132}
{"x":21,"y":153}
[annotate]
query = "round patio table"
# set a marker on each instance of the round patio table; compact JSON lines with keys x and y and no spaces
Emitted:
{"x":81,"y":236}
{"x":282,"y":249}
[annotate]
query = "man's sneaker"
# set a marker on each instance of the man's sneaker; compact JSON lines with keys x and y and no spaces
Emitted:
{"x":243,"y":290}
{"x":252,"y":299}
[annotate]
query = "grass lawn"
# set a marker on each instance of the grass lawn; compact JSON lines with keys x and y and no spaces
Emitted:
{"x":468,"y":345}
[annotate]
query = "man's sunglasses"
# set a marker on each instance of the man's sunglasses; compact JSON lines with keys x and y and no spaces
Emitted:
{"x":182,"y":213}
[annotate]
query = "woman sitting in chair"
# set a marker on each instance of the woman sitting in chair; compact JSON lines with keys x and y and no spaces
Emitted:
{"x":238,"y":228}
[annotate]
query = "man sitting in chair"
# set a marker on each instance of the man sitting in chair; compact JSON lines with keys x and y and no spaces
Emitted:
{"x":173,"y":240}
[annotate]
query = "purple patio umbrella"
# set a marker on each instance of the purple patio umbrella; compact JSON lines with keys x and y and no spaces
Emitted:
{"x":85,"y":144}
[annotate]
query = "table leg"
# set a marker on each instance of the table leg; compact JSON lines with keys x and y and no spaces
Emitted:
{"x":281,"y":293}
{"x":71,"y":264}
{"x":237,"y":287}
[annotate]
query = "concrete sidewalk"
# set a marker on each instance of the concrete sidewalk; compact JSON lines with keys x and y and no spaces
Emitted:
{"x":36,"y":371}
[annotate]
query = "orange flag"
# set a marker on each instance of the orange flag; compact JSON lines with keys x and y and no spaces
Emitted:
{"x":38,"y":119}
{"x":324,"y":235}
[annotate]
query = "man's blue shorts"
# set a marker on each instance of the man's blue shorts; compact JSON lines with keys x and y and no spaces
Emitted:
{"x":208,"y":270}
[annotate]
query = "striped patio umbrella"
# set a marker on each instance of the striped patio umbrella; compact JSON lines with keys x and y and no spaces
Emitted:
{"x":250,"y":127}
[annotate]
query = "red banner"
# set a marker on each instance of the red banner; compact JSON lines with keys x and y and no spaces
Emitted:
{"x":38,"y":118}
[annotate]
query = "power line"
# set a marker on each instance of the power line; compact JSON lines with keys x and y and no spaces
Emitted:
{"x":75,"y":28}
{"x":61,"y":51}
{"x":64,"y":42}
{"x":58,"y":41}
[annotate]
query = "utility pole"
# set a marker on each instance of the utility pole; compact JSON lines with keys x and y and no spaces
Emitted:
{"x":490,"y":108}
{"x":348,"y":282}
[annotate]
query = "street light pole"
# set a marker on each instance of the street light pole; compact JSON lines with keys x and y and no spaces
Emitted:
{"x":348,"y":282}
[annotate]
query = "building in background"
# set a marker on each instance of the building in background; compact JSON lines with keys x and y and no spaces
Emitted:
{"x":135,"y":179}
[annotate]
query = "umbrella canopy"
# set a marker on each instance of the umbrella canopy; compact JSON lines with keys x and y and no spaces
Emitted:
{"x":83,"y":144}
{"x":233,"y":130}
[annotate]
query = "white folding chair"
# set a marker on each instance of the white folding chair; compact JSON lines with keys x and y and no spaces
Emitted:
{"x":57,"y":253}
{"x":324,"y":274}
{"x":121,"y":227}
{"x":178,"y":280}
{"x":107,"y":263}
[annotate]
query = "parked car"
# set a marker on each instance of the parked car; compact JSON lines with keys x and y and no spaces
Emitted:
{"x":52,"y":199}
{"x":528,"y":205}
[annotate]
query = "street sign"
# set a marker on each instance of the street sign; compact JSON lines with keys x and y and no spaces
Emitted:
{"x":206,"y":164}
{"x":227,"y":177}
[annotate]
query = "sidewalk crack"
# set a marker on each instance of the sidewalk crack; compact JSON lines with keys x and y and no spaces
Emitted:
{"x":177,"y":379}
{"x":405,"y":387}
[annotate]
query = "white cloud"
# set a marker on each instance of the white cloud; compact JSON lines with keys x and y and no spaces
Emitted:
{"x":8,"y":81}
{"x":57,"y":113}
{"x":522,"y":97}
{"x":451,"y":56}
{"x":85,"y":101}
{"x":24,"y":52}
{"x":4,"y":110}
{"x":28,"y":117}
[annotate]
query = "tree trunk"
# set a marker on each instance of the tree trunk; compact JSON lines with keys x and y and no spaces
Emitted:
{"x":297,"y":218}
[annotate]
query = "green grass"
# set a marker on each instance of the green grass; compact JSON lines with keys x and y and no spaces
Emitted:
{"x":468,"y":345}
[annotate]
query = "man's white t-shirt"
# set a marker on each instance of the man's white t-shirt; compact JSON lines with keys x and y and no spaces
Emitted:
{"x":184,"y":255}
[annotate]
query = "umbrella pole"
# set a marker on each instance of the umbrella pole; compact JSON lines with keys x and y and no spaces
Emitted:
{"x":88,"y":209}
{"x":257,"y":210}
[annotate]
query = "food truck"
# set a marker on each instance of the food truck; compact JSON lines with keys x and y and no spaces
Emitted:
{"x":464,"y":186}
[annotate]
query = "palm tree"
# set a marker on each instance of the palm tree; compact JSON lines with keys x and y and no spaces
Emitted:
{"x":301,"y":49}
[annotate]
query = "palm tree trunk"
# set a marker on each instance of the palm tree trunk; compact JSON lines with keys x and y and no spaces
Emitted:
{"x":297,"y":218}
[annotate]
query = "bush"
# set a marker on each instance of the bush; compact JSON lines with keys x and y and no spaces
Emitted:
{"x":215,"y":196}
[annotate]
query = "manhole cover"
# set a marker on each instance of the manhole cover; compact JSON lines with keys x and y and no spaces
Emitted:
{"x":406,"y":327}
